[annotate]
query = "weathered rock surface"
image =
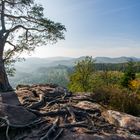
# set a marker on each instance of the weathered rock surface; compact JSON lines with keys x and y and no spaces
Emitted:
{"x":122,"y":120}
{"x":98,"y":137}
{"x":89,"y":105}
{"x":17,"y":116}
{"x":62,"y":115}
{"x":9,"y":98}
{"x":11,"y":110}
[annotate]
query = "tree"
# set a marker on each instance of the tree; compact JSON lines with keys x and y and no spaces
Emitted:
{"x":129,"y":75}
{"x":22,"y":28}
{"x":80,"y":78}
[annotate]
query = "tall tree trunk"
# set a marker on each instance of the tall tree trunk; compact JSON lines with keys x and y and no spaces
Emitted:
{"x":4,"y":83}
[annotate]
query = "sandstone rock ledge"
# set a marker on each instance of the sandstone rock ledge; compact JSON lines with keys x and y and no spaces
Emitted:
{"x":51,"y":112}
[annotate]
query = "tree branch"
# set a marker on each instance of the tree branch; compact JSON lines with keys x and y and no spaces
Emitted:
{"x":11,"y":44}
{"x":19,"y":17}
{"x":9,"y":54}
{"x":27,"y":18}
{"x":12,"y":3}
{"x":25,"y":28}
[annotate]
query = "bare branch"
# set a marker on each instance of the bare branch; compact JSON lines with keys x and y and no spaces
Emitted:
{"x":11,"y":44}
{"x":9,"y":53}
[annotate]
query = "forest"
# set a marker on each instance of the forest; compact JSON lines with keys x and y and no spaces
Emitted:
{"x":110,"y":82}
{"x":59,"y":72}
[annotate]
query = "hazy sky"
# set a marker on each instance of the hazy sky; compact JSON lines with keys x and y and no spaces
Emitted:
{"x":94,"y":27}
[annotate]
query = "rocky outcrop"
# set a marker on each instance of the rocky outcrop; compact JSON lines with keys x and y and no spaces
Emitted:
{"x":9,"y":98}
{"x":12,"y":112}
{"x":122,"y":120}
{"x":56,"y":113}
{"x":89,"y":105}
{"x":98,"y":137}
{"x":17,"y":116}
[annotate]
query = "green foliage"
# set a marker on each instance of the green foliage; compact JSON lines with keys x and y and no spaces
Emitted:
{"x":118,"y":99}
{"x":129,"y":75}
{"x":105,"y":86}
{"x":110,"y":77}
{"x":116,"y":67}
{"x":80,"y":78}
{"x":24,"y":27}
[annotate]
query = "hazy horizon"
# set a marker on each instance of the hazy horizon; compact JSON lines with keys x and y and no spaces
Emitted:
{"x":94,"y":27}
{"x":80,"y":56}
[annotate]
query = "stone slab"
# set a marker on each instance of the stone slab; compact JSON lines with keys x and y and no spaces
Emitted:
{"x":17,"y":115}
{"x":9,"y":98}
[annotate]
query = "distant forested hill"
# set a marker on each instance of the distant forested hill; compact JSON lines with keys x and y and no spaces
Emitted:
{"x":58,"y":75}
{"x":57,"y":69}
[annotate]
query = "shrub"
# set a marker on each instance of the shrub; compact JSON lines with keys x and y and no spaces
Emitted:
{"x":118,"y":99}
{"x":135,"y":85}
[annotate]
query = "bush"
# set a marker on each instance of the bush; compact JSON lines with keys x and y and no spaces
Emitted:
{"x":135,"y":85}
{"x":118,"y":99}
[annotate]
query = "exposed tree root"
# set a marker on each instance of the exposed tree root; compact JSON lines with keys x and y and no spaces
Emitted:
{"x":57,"y":113}
{"x":6,"y":122}
{"x":41,"y":103}
{"x":51,"y":130}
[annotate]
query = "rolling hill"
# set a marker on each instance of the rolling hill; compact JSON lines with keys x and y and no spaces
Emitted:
{"x":56,"y":69}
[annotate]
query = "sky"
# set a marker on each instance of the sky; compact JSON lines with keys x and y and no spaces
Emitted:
{"x":108,"y":28}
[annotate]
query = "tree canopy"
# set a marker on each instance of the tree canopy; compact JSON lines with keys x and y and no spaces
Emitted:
{"x":80,"y":78}
{"x":23,"y":27}
{"x":129,"y":75}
